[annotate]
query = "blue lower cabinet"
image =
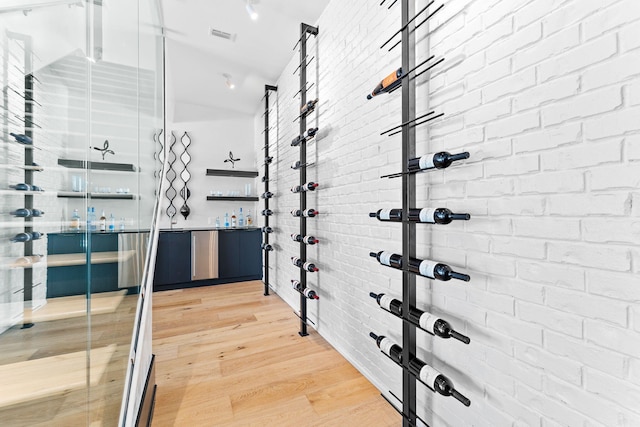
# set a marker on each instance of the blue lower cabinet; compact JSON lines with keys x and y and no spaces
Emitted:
{"x":239,"y":253}
{"x":173,"y":259}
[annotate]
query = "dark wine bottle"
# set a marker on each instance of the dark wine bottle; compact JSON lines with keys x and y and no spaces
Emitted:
{"x":295,"y":165}
{"x":309,"y":186}
{"x":25,"y":237}
{"x":21,"y":187}
{"x":308,"y":213}
{"x":22,"y":139}
{"x":388,"y":347}
{"x":36,"y":188}
{"x":266,"y":230}
{"x":266,"y":247}
{"x":308,"y":266}
{"x":437,"y":382}
{"x":268,"y":160}
{"x":427,"y":268}
{"x":267,"y":195}
{"x":266,"y":212}
{"x":424,"y":215}
{"x":36,"y":212}
{"x":438,"y":160}
{"x":309,"y":293}
{"x":388,"y":258}
{"x":389,"y":83}
{"x":307,"y":240}
{"x":22,"y":213}
{"x":308,"y":107}
{"x":388,"y":303}
{"x":310,"y":133}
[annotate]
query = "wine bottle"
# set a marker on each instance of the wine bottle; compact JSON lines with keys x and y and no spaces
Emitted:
{"x":25,"y":237}
{"x":21,"y":187}
{"x":22,"y":213}
{"x":22,"y":139}
{"x":438,"y":160}
{"x":295,"y":165}
{"x":307,"y":240}
{"x":425,"y":321}
{"x":36,"y":188}
{"x":267,"y":195}
{"x":266,"y":247}
{"x":309,"y":293}
{"x":309,"y":266}
{"x":390,"y":304}
{"x":308,"y":213}
{"x":266,"y":230}
{"x":389,"y":83}
{"x":426,"y":268}
{"x":309,"y":186}
{"x":266,"y":212}
{"x":36,"y":212}
{"x":268,"y":160}
{"x":310,"y":133}
{"x":103,"y":222}
{"x":308,"y":107}
{"x":437,"y":382}
{"x":388,"y":347}
{"x":425,"y":215}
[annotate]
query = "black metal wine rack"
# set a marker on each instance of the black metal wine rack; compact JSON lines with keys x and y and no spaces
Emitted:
{"x":266,"y":178}
{"x":409,"y":122}
{"x":305,"y":31}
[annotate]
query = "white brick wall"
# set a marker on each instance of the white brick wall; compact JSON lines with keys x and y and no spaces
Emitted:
{"x":544,"y":95}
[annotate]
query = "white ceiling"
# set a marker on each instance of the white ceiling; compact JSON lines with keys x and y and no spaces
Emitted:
{"x":197,"y":61}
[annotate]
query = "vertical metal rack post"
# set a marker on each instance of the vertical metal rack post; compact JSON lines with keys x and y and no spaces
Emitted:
{"x":304,"y":30}
{"x":408,"y":202}
{"x":267,"y":89}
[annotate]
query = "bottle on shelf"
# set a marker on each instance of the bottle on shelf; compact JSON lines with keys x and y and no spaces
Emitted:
{"x":26,"y":237}
{"x":268,"y":160}
{"x":22,"y":139}
{"x":308,"y":266}
{"x":234,"y":223}
{"x":308,"y":107}
{"x":266,"y":212}
{"x":249,"y":219}
{"x":266,"y":247}
{"x":240,"y":219}
{"x":267,"y":195}
{"x":88,"y":218}
{"x":217,"y":222}
{"x":308,"y":213}
{"x":310,"y":133}
{"x":309,"y":186}
{"x":387,"y":84}
{"x":103,"y":222}
{"x":75,"y":221}
{"x":226,"y":220}
{"x":440,"y":160}
{"x":426,"y":268}
{"x":425,"y":215}
{"x":307,"y":240}
{"x":94,"y":219}
{"x":436,"y":381}
{"x":309,"y":293}
{"x":122,"y":224}
{"x":266,"y":230}
{"x":425,"y":321}
{"x":112,"y":224}
{"x":388,"y":347}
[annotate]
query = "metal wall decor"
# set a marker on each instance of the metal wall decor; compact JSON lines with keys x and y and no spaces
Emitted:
{"x":105,"y":149}
{"x":171,"y":192}
{"x":232,"y":160}
{"x":185,"y":158}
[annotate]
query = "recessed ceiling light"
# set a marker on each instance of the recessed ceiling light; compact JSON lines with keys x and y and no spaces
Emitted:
{"x":229,"y":82}
{"x":251,"y":11}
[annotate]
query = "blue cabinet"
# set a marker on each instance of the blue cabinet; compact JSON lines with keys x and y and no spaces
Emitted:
{"x":239,"y":253}
{"x":173,"y":259}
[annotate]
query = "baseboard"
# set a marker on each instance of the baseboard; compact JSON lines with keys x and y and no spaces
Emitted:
{"x":145,"y":413}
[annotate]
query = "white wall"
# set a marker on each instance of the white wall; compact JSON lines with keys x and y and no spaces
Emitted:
{"x":545,"y":100}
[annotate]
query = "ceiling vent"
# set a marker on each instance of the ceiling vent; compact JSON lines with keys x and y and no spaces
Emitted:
{"x":222,"y":34}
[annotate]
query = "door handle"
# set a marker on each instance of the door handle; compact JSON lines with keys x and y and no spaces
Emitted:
{"x":193,"y":256}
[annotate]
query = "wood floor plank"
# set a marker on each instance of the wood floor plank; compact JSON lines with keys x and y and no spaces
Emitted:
{"x":235,"y":359}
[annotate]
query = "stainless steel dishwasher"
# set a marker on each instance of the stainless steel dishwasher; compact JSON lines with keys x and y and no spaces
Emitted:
{"x":204,"y":255}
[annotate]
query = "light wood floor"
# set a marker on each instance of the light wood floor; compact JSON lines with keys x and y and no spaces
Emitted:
{"x":228,"y":356}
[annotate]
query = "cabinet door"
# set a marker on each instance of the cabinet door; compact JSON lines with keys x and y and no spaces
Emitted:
{"x":250,"y":253}
{"x":173,"y":260}
{"x":229,"y":254}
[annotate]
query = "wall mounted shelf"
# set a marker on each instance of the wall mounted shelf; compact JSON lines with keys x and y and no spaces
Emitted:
{"x":234,"y":173}
{"x":239,"y":199}
{"x":105,"y":166}
{"x":79,"y":195}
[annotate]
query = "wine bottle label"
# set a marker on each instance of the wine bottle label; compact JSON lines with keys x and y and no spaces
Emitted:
{"x":427,"y":268}
{"x":428,"y":321}
{"x":308,"y":293}
{"x":428,"y":375}
{"x":295,"y":260}
{"x":385,"y":214}
{"x":427,"y":214}
{"x":309,"y":240}
{"x":307,"y":265}
{"x":426,"y":162}
{"x":385,"y":258}
{"x":385,"y":302}
{"x":386,"y":345}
